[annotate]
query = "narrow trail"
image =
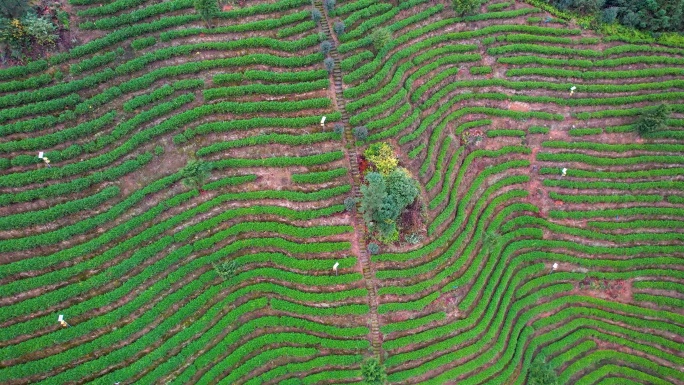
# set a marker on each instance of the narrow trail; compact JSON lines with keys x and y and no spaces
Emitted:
{"x":352,"y":155}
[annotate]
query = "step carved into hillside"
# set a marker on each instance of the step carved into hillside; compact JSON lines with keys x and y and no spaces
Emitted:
{"x":359,"y":225}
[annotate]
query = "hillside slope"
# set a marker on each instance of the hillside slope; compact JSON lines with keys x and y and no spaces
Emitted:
{"x":553,"y":229}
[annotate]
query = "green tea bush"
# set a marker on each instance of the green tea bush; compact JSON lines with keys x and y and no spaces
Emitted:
{"x":483,"y":70}
{"x":68,"y":134}
{"x":538,"y":130}
{"x":56,"y":212}
{"x":107,"y":9}
{"x":95,"y":61}
{"x":271,"y":89}
{"x":143,"y":42}
{"x":496,"y":133}
{"x":39,"y":108}
{"x":144,"y":100}
{"x":498,"y":6}
{"x":297,"y":29}
{"x":319,"y":177}
{"x":264,"y":139}
{"x":137,"y":15}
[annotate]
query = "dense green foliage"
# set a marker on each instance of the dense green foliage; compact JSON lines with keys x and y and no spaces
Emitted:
{"x":519,"y":176}
{"x":373,"y":372}
{"x":541,"y":373}
{"x":653,"y":120}
{"x":466,"y":7}
{"x":383,"y":200}
{"x":650,"y":15}
{"x":207,"y":9}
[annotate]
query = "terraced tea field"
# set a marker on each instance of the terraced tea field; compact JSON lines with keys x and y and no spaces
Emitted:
{"x":552,"y":228}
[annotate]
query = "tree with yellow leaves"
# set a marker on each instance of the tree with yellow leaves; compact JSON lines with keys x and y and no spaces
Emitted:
{"x":382,"y":157}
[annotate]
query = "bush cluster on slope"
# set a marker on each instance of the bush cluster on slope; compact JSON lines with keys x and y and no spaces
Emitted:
{"x":389,"y":191}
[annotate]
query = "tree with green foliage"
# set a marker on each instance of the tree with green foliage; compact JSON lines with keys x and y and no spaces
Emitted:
{"x":207,"y":9}
{"x":360,"y":133}
{"x":373,"y":195}
{"x":339,"y":28}
{"x":380,"y":37}
{"x":349,"y":204}
{"x":466,"y":7}
{"x":14,"y":9}
{"x":541,"y":373}
{"x":316,"y":15}
{"x":387,"y":193}
{"x":338,"y":129}
{"x":608,"y":15}
{"x":401,"y":188}
{"x":654,"y":119}
{"x":588,"y":6}
{"x":649,"y":15}
{"x":329,"y":64}
{"x":373,"y":372}
{"x":326,"y":46}
{"x":195,"y":173}
{"x":373,"y":248}
{"x":383,"y":200}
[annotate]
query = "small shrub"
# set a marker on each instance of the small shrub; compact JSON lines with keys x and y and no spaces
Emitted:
{"x":326,"y":46}
{"x":329,"y":5}
{"x":653,"y":120}
{"x":143,"y":42}
{"x":541,"y":373}
{"x":488,"y":40}
{"x":316,"y":15}
{"x":414,"y":238}
{"x":158,"y":150}
{"x":338,"y":129}
{"x":373,"y":373}
{"x":179,"y":139}
{"x":339,"y":28}
{"x":481,"y":70}
{"x":350,"y":204}
{"x":329,"y":64}
{"x":195,"y":173}
{"x":388,"y":234}
{"x":207,"y":9}
{"x":466,"y":7}
{"x":380,"y":37}
{"x":360,"y":133}
{"x":373,"y":248}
